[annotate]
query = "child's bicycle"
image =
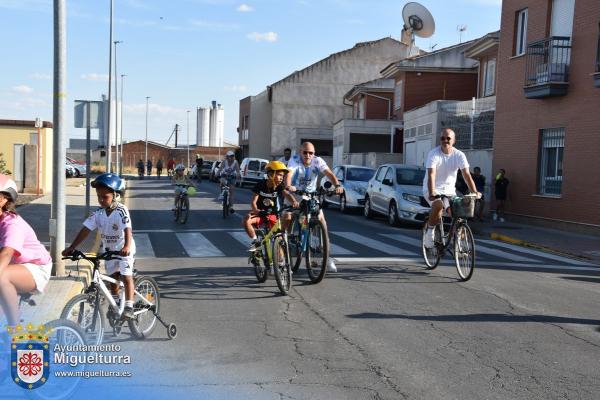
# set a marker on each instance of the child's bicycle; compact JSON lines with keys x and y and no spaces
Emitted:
{"x":226,"y":196}
{"x":459,"y":236}
{"x":86,"y":309}
{"x":60,"y":332}
{"x":274,"y":252}
{"x":182,"y":204}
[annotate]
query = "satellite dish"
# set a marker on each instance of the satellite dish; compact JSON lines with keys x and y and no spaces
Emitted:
{"x":417,"y":20}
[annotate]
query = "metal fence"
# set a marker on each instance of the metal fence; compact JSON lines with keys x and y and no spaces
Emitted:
{"x":472,"y":121}
{"x":548,"y":60}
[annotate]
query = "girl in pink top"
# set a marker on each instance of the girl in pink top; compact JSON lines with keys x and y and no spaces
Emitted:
{"x":25,"y":265}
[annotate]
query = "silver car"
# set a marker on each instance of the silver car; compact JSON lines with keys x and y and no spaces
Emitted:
{"x":355,"y":179}
{"x":396,"y":190}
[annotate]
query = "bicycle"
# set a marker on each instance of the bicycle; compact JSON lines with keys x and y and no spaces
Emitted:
{"x":226,"y":195}
{"x":182,"y":205}
{"x":308,"y":237}
{"x":274,"y":253}
{"x":62,"y":333}
{"x":459,"y":235}
{"x":86,"y":308}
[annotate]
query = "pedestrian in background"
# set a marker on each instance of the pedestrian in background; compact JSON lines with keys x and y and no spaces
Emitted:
{"x":480,"y":184}
{"x":149,"y":167}
{"x":159,"y":167}
{"x":170,"y":166}
{"x":501,"y":192}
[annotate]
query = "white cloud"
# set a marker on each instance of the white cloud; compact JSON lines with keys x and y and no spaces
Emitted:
{"x":95,"y":77}
{"x":214,"y":26}
{"x":23,"y":89}
{"x":263,"y":37}
{"x":40,"y":76}
{"x":155,"y":109}
{"x":31,"y":5}
{"x":236,"y":88}
{"x":245,"y":8}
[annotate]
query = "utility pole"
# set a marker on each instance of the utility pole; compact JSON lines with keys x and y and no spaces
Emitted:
{"x":108,"y":125}
{"x":117,"y":169}
{"x":57,"y":212}
{"x":121,"y":153}
{"x":176,"y":134}
{"x":188,"y":138}
{"x":146,"y":159}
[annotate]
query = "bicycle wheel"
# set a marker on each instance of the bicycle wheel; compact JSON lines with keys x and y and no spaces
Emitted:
{"x":225,"y":204}
{"x":260,"y":270}
{"x":70,"y":337}
{"x":177,"y":209}
{"x":295,"y":245}
{"x":464,"y":251}
{"x":317,"y":251}
{"x":82,"y":310}
{"x":431,"y":256}
{"x":144,"y":321}
{"x":281,"y":265}
{"x":185,"y":209}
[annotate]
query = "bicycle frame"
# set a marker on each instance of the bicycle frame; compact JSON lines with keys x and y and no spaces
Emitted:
{"x":275,"y":230}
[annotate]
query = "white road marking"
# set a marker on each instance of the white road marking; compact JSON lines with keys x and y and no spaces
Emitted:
{"x":143,"y":246}
{"x":339,"y":250}
{"x":241,"y":237}
{"x":374,"y":244}
{"x":188,"y":230}
{"x":197,"y":245}
{"x":538,"y":253}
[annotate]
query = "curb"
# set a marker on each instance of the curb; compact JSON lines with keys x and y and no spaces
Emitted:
{"x":523,"y":243}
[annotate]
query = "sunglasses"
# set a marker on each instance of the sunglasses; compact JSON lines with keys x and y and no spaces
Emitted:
{"x":308,"y":153}
{"x":446,"y":138}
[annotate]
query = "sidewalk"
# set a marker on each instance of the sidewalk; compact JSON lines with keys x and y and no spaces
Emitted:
{"x":60,"y":289}
{"x":568,"y":244}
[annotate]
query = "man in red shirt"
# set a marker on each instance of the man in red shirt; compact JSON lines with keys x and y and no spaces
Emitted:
{"x":170,"y":166}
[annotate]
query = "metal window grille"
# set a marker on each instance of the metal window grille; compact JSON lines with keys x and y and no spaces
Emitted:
{"x":552,"y":143}
{"x":598,"y":51}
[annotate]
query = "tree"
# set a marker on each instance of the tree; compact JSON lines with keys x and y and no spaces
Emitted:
{"x":3,"y":169}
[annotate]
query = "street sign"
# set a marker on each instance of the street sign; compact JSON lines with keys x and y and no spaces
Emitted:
{"x":96,"y":114}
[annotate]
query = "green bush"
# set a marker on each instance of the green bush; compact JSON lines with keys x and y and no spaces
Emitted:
{"x":3,"y":168}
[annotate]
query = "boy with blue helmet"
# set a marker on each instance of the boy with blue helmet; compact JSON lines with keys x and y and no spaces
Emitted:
{"x":113,"y":222}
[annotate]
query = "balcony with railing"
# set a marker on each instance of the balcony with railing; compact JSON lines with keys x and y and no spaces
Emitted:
{"x":547,"y":72}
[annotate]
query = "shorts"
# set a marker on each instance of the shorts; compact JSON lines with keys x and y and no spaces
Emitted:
{"x":445,"y":200}
{"x":41,"y":275}
{"x":229,"y":181}
{"x":268,"y":220}
{"x":123,"y":266}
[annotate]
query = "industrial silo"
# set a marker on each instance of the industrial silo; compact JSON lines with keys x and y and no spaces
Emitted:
{"x":202,"y":126}
{"x":217,"y":122}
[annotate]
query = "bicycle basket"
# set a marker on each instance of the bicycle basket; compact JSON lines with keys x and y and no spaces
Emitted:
{"x":463,"y":207}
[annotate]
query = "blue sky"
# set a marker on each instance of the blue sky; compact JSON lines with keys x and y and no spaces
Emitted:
{"x":185,"y":53}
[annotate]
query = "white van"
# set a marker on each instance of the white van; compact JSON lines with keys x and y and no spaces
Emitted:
{"x":252,"y":170}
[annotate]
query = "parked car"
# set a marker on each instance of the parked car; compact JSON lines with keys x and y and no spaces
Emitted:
{"x":396,"y":190}
{"x":80,"y":169}
{"x":355,"y":179}
{"x":213,"y":175}
{"x":252,"y":170}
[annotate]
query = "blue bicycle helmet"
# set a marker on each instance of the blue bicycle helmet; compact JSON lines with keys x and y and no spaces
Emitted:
{"x":111,"y":181}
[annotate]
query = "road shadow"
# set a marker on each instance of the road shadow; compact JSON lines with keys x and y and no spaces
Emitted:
{"x":505,"y":318}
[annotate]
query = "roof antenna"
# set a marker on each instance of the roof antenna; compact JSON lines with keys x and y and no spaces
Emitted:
{"x":460,"y":29}
{"x":418,"y":21}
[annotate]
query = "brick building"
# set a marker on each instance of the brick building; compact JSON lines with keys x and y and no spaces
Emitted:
{"x":547,"y":113}
{"x":134,"y":151}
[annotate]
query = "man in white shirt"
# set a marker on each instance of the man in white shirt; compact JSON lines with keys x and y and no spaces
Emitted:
{"x":304,"y":170}
{"x":443,"y":163}
{"x":287,"y":156}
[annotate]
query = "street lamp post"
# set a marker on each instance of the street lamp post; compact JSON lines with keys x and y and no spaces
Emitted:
{"x":188,"y":138}
{"x":108,"y":138}
{"x":146,"y":160}
{"x":117,"y":169}
{"x":121,"y":152}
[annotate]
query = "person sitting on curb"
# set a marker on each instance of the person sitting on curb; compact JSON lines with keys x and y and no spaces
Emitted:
{"x":25,"y":264}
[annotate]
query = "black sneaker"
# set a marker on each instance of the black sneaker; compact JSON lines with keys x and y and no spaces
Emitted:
{"x":231,"y":210}
{"x":127,"y":313}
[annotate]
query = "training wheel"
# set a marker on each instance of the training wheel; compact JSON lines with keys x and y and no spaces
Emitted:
{"x":172,"y":331}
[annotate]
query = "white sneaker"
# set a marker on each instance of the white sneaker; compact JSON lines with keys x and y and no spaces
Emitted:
{"x":501,"y":219}
{"x":429,"y":238}
{"x":495,"y":217}
{"x":331,"y":265}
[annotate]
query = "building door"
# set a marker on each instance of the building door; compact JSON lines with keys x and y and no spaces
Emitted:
{"x":423,"y":147}
{"x":18,"y":163}
{"x":410,"y":153}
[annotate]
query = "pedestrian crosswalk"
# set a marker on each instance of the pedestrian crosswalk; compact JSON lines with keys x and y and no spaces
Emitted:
{"x":344,"y":246}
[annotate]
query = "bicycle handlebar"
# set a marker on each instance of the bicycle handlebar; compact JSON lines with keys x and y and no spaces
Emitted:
{"x":264,"y":213}
{"x":107,"y":255}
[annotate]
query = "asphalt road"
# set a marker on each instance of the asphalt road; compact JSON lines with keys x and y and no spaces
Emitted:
{"x":526,"y":326}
